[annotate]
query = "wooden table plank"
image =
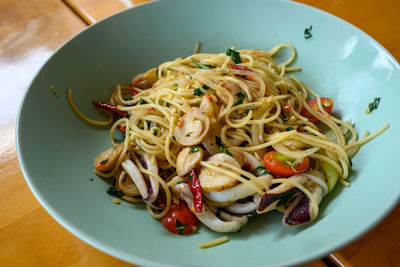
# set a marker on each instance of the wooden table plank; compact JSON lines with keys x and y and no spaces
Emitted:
{"x":94,"y":10}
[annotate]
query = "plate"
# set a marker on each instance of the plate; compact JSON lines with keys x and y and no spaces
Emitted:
{"x":56,"y":148}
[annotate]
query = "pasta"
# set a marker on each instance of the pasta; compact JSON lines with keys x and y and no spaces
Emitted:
{"x":231,"y":135}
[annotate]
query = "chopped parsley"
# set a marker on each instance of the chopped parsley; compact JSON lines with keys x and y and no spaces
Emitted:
{"x":221,"y":146}
{"x":254,"y":213}
{"x":128,"y":98}
{"x":103,"y":162}
{"x":197,"y":92}
{"x":114,"y":192}
{"x":155,"y":131}
{"x":173,"y":138}
{"x":307,"y":32}
{"x":175,"y":85}
{"x":190,"y":177}
{"x":241,"y":96}
{"x":139,"y":125}
{"x":289,"y":128}
{"x":194,"y":150}
{"x":205,"y":87}
{"x":141,"y":101}
{"x":225,"y":150}
{"x":180,"y":226}
{"x":374,"y":104}
{"x":234,"y":55}
{"x":201,"y":66}
{"x":265,"y":171}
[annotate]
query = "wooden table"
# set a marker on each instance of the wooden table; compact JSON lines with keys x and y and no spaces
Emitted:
{"x":30,"y":31}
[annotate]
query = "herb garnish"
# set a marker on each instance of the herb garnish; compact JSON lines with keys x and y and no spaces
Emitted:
{"x":205,"y":87}
{"x":103,"y":161}
{"x":201,"y":66}
{"x":180,"y":226}
{"x":234,"y":55}
{"x":374,"y":105}
{"x":307,"y":32}
{"x":128,"y":98}
{"x":221,"y":146}
{"x":265,"y":171}
{"x":190,"y":177}
{"x":175,"y":85}
{"x":254,"y":213}
{"x":241,"y":96}
{"x":141,"y":101}
{"x":289,"y":128}
{"x":194,"y":150}
{"x":197,"y":92}
{"x":141,"y":127}
{"x":173,"y":138}
{"x":225,"y":150}
{"x":155,"y":131}
{"x":114,"y":192}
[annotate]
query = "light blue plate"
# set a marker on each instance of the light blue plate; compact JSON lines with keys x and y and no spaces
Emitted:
{"x":56,"y":148}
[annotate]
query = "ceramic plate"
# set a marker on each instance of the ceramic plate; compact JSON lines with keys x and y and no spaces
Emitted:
{"x":56,"y":148}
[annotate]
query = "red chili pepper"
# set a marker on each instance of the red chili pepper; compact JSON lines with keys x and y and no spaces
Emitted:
{"x":249,"y":77}
{"x":194,"y":185}
{"x":286,"y":108}
{"x":208,"y":97}
{"x":102,"y":165}
{"x":134,"y":92}
{"x":240,"y":67}
{"x":135,"y":82}
{"x":110,"y":107}
{"x":122,"y":129}
{"x":248,"y":166}
{"x":180,"y":123}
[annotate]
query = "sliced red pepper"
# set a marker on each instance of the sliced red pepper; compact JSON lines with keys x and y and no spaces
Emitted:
{"x":194,"y":185}
{"x":135,"y":82}
{"x":110,"y":107}
{"x":122,"y":129}
{"x":248,"y":166}
{"x":180,"y":123}
{"x":102,"y":165}
{"x":238,"y":67}
{"x":327,"y":105}
{"x":286,"y":108}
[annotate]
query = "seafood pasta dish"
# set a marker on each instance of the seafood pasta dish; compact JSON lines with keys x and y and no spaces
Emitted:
{"x":219,"y":138}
